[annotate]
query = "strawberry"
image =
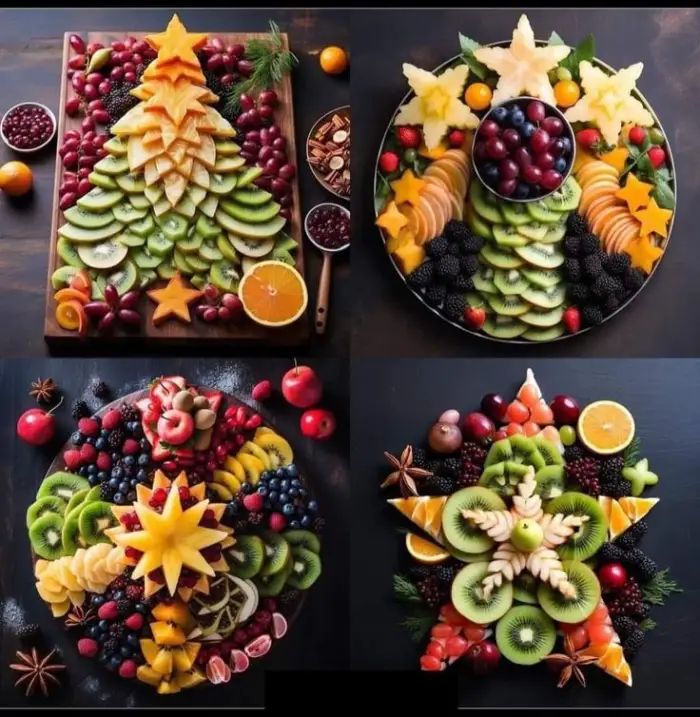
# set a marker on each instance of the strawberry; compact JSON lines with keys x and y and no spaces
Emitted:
{"x":388,"y":162}
{"x":637,"y":135}
{"x":409,"y":137}
{"x":88,"y":426}
{"x":656,"y":156}
{"x":456,"y":138}
{"x":72,"y":459}
{"x":111,"y":419}
{"x":474,"y":317}
{"x":588,"y":137}
{"x":572,"y":320}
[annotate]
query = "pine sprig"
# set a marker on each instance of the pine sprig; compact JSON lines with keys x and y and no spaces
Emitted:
{"x":659,"y":588}
{"x":419,"y":623}
{"x":632,"y":452}
{"x":405,"y":590}
{"x":271,"y":62}
{"x":647,"y":624}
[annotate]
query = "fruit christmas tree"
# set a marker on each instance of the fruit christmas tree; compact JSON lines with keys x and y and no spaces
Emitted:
{"x":175,"y":536}
{"x":173,"y":197}
{"x":524,"y":189}
{"x":530,"y":516}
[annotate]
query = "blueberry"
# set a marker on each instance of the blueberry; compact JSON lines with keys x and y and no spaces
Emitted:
{"x":117,"y":472}
{"x":118,"y":499}
{"x":90,"y":440}
{"x":131,"y":496}
{"x":116,"y":456}
{"x":141,"y":607}
{"x":284,"y":498}
{"x":517,"y":118}
{"x":294,"y":524}
{"x":125,"y":651}
{"x":280,"y":473}
{"x":306,"y":521}
{"x":114,"y":663}
{"x":521,"y":191}
{"x":141,"y":476}
{"x":296,"y":483}
{"x":83,"y":471}
{"x":560,"y":165}
{"x":145,"y":445}
{"x":144,"y":459}
{"x":77,"y":438}
{"x":93,"y":480}
{"x":102,"y":658}
{"x":490,"y":173}
{"x":262,"y":490}
{"x":288,"y":509}
{"x":247,"y":488}
{"x":284,"y":485}
{"x":103,"y":625}
{"x":113,"y":483}
{"x":97,"y":600}
{"x":312,"y":506}
{"x":117,"y":595}
{"x":566,"y":144}
{"x":132,"y":639}
{"x":92,"y":469}
{"x":93,"y":631}
{"x":103,"y":475}
{"x":232,"y":508}
{"x":273,"y":496}
{"x":499,"y":114}
{"x":133,"y":482}
{"x":275,"y":484}
{"x":124,"y":487}
{"x":294,"y":492}
{"x":101,"y":444}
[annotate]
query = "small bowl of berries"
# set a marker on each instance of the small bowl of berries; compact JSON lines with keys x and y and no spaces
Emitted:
{"x":28,"y":127}
{"x":523,"y":149}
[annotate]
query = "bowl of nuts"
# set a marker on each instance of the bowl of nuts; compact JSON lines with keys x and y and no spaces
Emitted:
{"x":328,"y":151}
{"x":28,"y":127}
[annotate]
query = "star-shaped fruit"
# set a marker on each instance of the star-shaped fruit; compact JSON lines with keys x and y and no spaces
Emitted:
{"x":640,"y":476}
{"x":178,"y":99}
{"x":408,"y":188}
{"x":607,"y":100}
{"x":170,"y":536}
{"x":635,"y":192}
{"x":527,"y":537}
{"x":173,"y":300}
{"x":644,"y":253}
{"x":654,"y":219}
{"x":392,"y":220}
{"x":522,"y":67}
{"x":177,"y":44}
{"x":437,"y":105}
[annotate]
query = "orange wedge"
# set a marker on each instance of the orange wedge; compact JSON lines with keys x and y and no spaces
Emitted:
{"x":273,"y":293}
{"x":425,"y":551}
{"x":70,"y":315}
{"x":606,"y":427}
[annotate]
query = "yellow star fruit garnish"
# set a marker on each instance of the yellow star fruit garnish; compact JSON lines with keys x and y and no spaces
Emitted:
{"x":408,"y":188}
{"x":177,"y":44}
{"x":643,"y":253}
{"x":437,"y":105}
{"x":654,"y":219}
{"x":522,"y":67}
{"x":608,"y":101}
{"x":392,"y":220}
{"x":635,"y":193}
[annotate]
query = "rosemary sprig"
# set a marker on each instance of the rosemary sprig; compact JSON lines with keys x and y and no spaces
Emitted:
{"x":405,"y":590}
{"x":271,"y":62}
{"x":632,"y":452}
{"x":647,"y":624}
{"x":659,"y":588}
{"x":419,"y":623}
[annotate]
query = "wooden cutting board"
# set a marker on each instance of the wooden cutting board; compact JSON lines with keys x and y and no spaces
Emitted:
{"x":173,"y":331}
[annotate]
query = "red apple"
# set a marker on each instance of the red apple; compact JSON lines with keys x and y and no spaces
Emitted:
{"x":565,"y":409}
{"x":37,"y":426}
{"x":317,"y":423}
{"x":477,"y":427}
{"x":175,"y":426}
{"x":302,"y":387}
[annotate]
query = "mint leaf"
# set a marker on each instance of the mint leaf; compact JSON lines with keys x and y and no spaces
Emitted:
{"x":663,"y":194}
{"x":555,"y":39}
{"x":585,"y":50}
{"x":467,"y":45}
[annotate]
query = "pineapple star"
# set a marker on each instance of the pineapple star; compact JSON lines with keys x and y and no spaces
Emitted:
{"x":177,"y":44}
{"x":177,"y":100}
{"x":654,"y":219}
{"x":171,"y":539}
{"x":523,"y":66}
{"x":608,"y":101}
{"x":644,"y":253}
{"x":436,"y":105}
{"x":527,"y":537}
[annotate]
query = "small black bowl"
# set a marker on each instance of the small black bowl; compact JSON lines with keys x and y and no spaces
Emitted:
{"x":522,"y":103}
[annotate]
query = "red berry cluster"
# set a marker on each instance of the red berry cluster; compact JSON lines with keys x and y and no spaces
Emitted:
{"x":79,"y":154}
{"x":27,"y":126}
{"x":216,"y":306}
{"x":228,"y":62}
{"x":627,"y":601}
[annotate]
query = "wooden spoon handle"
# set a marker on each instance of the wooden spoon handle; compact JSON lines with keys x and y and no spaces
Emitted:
{"x":324,"y":286}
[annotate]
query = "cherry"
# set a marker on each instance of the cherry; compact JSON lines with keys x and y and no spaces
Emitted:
{"x":494,"y":406}
{"x":477,"y":427}
{"x":565,"y":409}
{"x":612,"y":576}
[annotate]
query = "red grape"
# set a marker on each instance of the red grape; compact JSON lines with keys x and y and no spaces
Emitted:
{"x":215,"y":62}
{"x":539,"y":140}
{"x":77,"y":62}
{"x":137,"y":59}
{"x":508,"y":169}
{"x":84,"y":187}
{"x":532,"y":174}
{"x":268,"y":97}
{"x":535,"y":111}
{"x":77,"y":43}
{"x":279,"y":143}
{"x":130,"y":77}
{"x":287,"y":171}
{"x":105,"y":87}
{"x":101,"y":116}
{"x":69,"y":185}
{"x":266,"y":111}
{"x":480,"y":150}
{"x":273,"y":132}
{"x":522,"y":156}
{"x":89,"y":136}
{"x":271,"y":167}
{"x":91,"y":92}
{"x":544,"y":160}
{"x":245,"y":67}
{"x":238,"y":50}
{"x":70,"y":160}
{"x":279,"y":187}
{"x":495,"y":148}
{"x":246,"y":102}
{"x":73,"y":106}
{"x":228,"y":79}
{"x":506,"y":187}
{"x":253,"y":135}
{"x":117,"y":45}
{"x":67,"y":200}
{"x":553,"y":125}
{"x":280,"y":156}
{"x":265,"y":153}
{"x":551,"y":179}
{"x":93,"y":47}
{"x":511,"y":138}
{"x":489,"y":128}
{"x":78,"y":82}
{"x":88,"y":123}
{"x":117,"y":73}
{"x":129,"y":66}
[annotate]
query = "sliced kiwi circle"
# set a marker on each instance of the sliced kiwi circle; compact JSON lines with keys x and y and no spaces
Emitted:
{"x":571,"y":609}
{"x":468,"y":595}
{"x":45,"y":536}
{"x":462,"y":533}
{"x":551,"y":482}
{"x":587,"y":539}
{"x":42,"y":506}
{"x":525,"y":634}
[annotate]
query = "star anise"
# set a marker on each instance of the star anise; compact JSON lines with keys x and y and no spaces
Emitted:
{"x":405,"y":473}
{"x":79,"y":617}
{"x":570,"y":663}
{"x":43,"y":389}
{"x":37,"y":672}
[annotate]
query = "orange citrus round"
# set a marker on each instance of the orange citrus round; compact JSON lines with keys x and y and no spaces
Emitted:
{"x":273,"y":293}
{"x":69,"y":315}
{"x":15,"y":178}
{"x":478,"y":96}
{"x":333,"y":59}
{"x":424,"y":551}
{"x":566,"y":93}
{"x":606,"y":427}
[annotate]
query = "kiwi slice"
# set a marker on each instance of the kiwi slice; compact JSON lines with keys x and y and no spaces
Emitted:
{"x":246,"y":556}
{"x":124,"y":278}
{"x":543,"y":318}
{"x":483,"y":280}
{"x":126,"y":212}
{"x":510,"y":282}
{"x":484,"y":203}
{"x":544,"y":278}
{"x":129,"y":239}
{"x":225,"y":275}
{"x":303,"y":539}
{"x":461,"y":533}
{"x":533,"y":230}
{"x":584,"y":601}
{"x":42,"y":506}
{"x":62,"y":485}
{"x":549,"y":451}
{"x":551,"y":481}
{"x":306,"y":569}
{"x":503,"y":327}
{"x":545,"y":298}
{"x":508,"y":236}
{"x":62,"y":276}
{"x":468,"y":595}
{"x":143,"y":227}
{"x":45,"y":536}
{"x":508,"y":305}
{"x":553,"y":332}
{"x":132,"y":183}
{"x":540,"y":212}
{"x":503,"y":477}
{"x":80,"y":217}
{"x":525,"y":588}
{"x":173,"y":225}
{"x":158,"y":244}
{"x":500,"y":258}
{"x":98,"y":199}
{"x":546,"y":256}
{"x":500,"y":451}
{"x":145,"y":260}
{"x":271,"y":585}
{"x":477,"y":224}
{"x":277,"y":552}
{"x":105,"y":255}
{"x":565,"y":198}
{"x":525,"y":451}
{"x":77,"y":499}
{"x":587,"y":539}
{"x":515,"y":213}
{"x":554,"y":233}
{"x":525,"y":634}
{"x":463,"y":557}
{"x":93,"y":520}
{"x":70,"y":533}
{"x":139,"y":201}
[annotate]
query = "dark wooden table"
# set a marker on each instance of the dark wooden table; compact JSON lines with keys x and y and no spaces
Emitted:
{"x":659,"y":321}
{"x":316,"y":641}
{"x":30,"y":56}
{"x":395,"y":402}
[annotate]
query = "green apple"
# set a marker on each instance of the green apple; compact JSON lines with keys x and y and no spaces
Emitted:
{"x":527,"y":535}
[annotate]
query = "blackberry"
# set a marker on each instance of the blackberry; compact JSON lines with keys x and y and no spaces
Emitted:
{"x":435,"y":466}
{"x":624,"y":626}
{"x":474,"y":453}
{"x":130,"y":412}
{"x":572,"y":245}
{"x":438,"y":485}
{"x":125,"y":606}
{"x":29,"y":633}
{"x":585,"y":472}
{"x":119,"y":100}
{"x":605,"y":285}
{"x":611,"y":304}
{"x":633,"y":643}
{"x":616,"y":264}
{"x":117,"y":630}
{"x":610,"y":553}
{"x":79,"y":410}
{"x":116,"y":439}
{"x":626,"y":601}
{"x":119,"y":583}
{"x":240,"y":526}
{"x":437,"y":247}
{"x":462,"y":283}
{"x":453,"y":248}
{"x":451,"y":466}
{"x":111,"y":646}
{"x":445,"y":573}
{"x":469,"y":264}
{"x":288,"y":600}
{"x":99,"y":389}
{"x":435,"y":294}
{"x":618,"y":488}
{"x":643,"y":567}
{"x":591,"y":266}
{"x":319,"y":524}
{"x":106,"y":493}
{"x":576,"y":224}
{"x":579,"y":293}
{"x":422,"y":276}
{"x":447,"y":267}
{"x":611,"y":469}
{"x":420,"y":457}
{"x":631,"y":537}
{"x":573,"y":269}
{"x":454,"y":306}
{"x":429,"y":590}
{"x":463,"y":235}
{"x":589,"y":244}
{"x":591,"y":315}
{"x":574,"y":453}
{"x":469,"y":475}
{"x":256,"y":519}
{"x":633,"y":279}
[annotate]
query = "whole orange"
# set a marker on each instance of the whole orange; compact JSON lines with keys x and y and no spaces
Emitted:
{"x":333,"y":59}
{"x":15,"y":178}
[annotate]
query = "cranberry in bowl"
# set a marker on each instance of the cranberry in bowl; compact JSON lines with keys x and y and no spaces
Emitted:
{"x":523,"y":149}
{"x":28,"y":127}
{"x":328,"y":226}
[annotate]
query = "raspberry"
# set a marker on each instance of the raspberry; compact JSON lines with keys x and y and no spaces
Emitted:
{"x":104,"y":461}
{"x":88,"y":647}
{"x":254,"y":502}
{"x":88,"y":453}
{"x":130,"y":447}
{"x":88,"y":426}
{"x":134,"y":622}
{"x":127,"y":669}
{"x":277,"y":522}
{"x":134,"y":592}
{"x":112,"y":419}
{"x":72,"y":459}
{"x":108,"y":611}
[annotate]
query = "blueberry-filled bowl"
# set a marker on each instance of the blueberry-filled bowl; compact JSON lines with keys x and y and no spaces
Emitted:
{"x":28,"y":127}
{"x":523,"y":149}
